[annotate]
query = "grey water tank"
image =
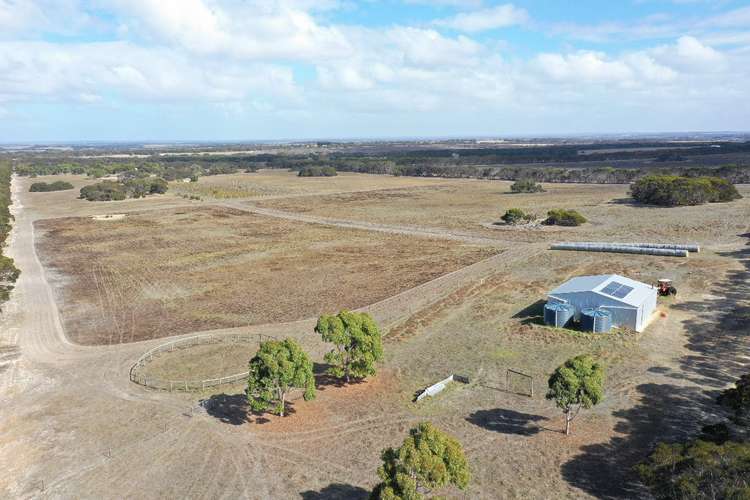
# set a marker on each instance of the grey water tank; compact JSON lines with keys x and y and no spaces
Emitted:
{"x":596,"y":320}
{"x":558,"y":314}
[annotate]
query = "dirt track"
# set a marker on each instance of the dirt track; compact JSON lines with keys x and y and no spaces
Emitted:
{"x":73,"y":426}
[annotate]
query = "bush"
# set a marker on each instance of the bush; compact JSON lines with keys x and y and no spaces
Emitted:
{"x":672,"y":190}
{"x":516,"y":216}
{"x":698,"y":470}
{"x":562,"y":217}
{"x":43,"y":187}
{"x":104,"y":191}
{"x":317,"y":172}
{"x":131,"y":188}
{"x":526,"y":186}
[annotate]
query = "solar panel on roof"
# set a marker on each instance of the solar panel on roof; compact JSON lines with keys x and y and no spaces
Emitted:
{"x":622,"y":292}
{"x":611,"y":288}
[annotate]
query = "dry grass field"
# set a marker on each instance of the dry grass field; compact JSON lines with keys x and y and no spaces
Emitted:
{"x":474,"y":205}
{"x":283,"y":183}
{"x":164,"y":273}
{"x":79,"y":425}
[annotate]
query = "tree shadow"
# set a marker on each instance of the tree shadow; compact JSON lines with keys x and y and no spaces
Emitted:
{"x":323,"y":379}
{"x":717,"y":337}
{"x":506,"y":421}
{"x":666,"y":412}
{"x":336,"y":491}
{"x":228,"y":408}
{"x":234,"y":409}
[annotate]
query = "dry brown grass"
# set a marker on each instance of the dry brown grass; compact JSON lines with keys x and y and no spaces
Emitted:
{"x":275,"y":183}
{"x":473,"y":205}
{"x":163,"y":273}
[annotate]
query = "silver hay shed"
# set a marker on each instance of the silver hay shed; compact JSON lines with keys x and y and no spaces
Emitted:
{"x":630,"y":302}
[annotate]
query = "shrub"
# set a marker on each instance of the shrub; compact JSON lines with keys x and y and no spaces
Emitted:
{"x":104,"y":191}
{"x":317,"y":172}
{"x":43,"y":187}
{"x":131,"y":188}
{"x":562,"y":217}
{"x":516,"y":216}
{"x":698,"y":470}
{"x":526,"y":186}
{"x":672,"y":190}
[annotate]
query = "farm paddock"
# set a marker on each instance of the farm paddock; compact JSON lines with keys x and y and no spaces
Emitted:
{"x":170,"y":272}
{"x":77,"y":425}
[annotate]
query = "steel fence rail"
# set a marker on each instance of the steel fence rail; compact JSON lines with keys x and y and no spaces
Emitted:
{"x":138,"y":376}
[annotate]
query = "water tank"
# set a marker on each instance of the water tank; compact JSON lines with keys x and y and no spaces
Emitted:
{"x":596,"y":320}
{"x":558,"y":314}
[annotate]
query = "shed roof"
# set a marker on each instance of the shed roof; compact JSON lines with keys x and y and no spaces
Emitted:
{"x":613,"y":286}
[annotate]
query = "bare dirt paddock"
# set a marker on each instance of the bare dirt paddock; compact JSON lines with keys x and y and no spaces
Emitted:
{"x":169,"y":272}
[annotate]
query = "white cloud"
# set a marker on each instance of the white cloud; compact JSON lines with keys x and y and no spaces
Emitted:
{"x":583,"y":66}
{"x":33,"y":69}
{"x":252,"y":30}
{"x":240,"y":58}
{"x":487,"y":19}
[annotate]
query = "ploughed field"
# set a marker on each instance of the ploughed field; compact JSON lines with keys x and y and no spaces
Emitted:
{"x":169,"y":272}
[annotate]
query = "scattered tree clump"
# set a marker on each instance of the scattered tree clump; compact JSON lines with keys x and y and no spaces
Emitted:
{"x":515,"y":216}
{"x":526,"y":186}
{"x":119,"y":190}
{"x":317,"y":172}
{"x":43,"y":187}
{"x":428,"y":459}
{"x":278,"y":367}
{"x":698,"y":470}
{"x":673,"y":190}
{"x":357,"y":344}
{"x":578,"y":383}
{"x":562,"y":217}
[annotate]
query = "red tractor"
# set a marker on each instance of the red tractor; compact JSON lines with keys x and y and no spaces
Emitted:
{"x":665,"y":288}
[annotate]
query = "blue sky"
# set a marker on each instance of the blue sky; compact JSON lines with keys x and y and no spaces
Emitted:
{"x":133,"y":70}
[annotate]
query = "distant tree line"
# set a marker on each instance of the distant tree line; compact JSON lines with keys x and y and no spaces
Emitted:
{"x":119,"y":190}
{"x":672,"y":190}
{"x":590,"y":163}
{"x":317,"y":172}
{"x":8,"y":271}
{"x":41,"y":187}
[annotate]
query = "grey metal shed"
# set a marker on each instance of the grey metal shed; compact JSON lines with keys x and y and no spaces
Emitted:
{"x":630,"y":302}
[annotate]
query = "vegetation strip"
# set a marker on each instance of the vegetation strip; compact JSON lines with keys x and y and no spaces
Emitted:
{"x":8,"y":271}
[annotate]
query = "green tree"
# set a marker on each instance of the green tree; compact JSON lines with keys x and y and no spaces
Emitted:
{"x":576,"y":384}
{"x":428,"y":459}
{"x":357,"y":344}
{"x":698,"y":470}
{"x":737,"y":399}
{"x":278,"y":367}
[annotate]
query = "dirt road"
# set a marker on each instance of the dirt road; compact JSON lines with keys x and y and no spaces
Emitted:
{"x":73,"y":426}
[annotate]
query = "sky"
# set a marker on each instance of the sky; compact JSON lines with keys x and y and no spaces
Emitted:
{"x":243,"y":70}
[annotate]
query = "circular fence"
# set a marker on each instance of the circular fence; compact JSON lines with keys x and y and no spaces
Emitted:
{"x":138,"y":375}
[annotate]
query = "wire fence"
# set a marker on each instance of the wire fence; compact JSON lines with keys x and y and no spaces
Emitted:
{"x":139,"y":375}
